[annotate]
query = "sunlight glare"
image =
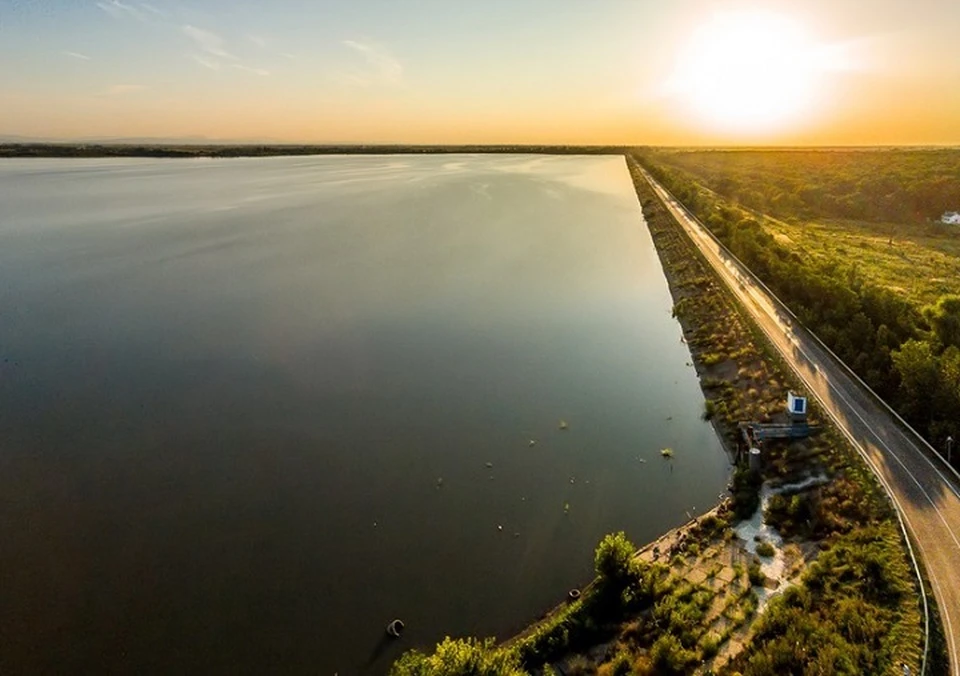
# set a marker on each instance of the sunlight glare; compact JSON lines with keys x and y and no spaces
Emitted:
{"x":749,"y":71}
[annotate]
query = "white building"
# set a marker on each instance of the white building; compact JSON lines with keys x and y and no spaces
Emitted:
{"x":796,"y":407}
{"x":951,"y":218}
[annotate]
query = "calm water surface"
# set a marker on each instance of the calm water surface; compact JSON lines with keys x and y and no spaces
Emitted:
{"x":253,"y":409}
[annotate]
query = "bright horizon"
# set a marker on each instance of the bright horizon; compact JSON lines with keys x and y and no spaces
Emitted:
{"x":616,"y":72}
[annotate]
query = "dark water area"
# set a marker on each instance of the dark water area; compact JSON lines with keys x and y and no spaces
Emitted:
{"x":253,"y":409}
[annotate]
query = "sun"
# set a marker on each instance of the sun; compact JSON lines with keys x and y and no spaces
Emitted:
{"x":749,"y":71}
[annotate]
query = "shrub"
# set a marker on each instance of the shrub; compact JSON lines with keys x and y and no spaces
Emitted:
{"x":709,"y":646}
{"x":709,"y":409}
{"x":612,"y":560}
{"x":618,"y":666}
{"x":459,"y":657}
{"x":746,"y":493}
{"x":580,"y":666}
{"x":713,"y":358}
{"x":765,"y":549}
{"x":669,"y":656}
{"x":755,"y":574}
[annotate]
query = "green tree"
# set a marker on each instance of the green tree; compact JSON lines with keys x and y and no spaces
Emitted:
{"x":612,"y":559}
{"x":944,"y":318}
{"x":917,"y":366}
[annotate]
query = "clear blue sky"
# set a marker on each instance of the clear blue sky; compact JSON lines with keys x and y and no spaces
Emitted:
{"x":531,"y":71}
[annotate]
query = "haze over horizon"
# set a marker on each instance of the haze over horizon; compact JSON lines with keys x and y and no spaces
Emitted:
{"x":609,"y":72}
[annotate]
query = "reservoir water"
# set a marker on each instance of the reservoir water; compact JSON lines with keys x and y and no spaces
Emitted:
{"x":251,"y":410}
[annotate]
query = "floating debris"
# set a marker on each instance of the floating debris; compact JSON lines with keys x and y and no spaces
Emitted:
{"x":532,"y":443}
{"x":374,"y":524}
{"x":395,"y":628}
{"x":642,"y":459}
{"x":666,"y":452}
{"x":571,"y":479}
{"x":669,"y":417}
{"x":566,"y":508}
{"x":563,"y":425}
{"x":499,"y":527}
{"x":489,"y":465}
{"x":516,"y":535}
{"x":439,"y":482}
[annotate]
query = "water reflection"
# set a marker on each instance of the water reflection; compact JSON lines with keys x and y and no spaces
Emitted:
{"x":230,"y":388}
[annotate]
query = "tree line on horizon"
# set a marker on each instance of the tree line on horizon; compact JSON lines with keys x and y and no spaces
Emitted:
{"x":902,"y":186}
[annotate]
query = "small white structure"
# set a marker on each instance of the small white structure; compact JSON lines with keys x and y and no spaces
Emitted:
{"x":796,"y":407}
{"x":951,"y":218}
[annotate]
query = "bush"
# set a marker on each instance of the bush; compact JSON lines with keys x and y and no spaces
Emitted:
{"x":709,"y":409}
{"x":669,"y":656}
{"x":460,"y":657}
{"x":709,"y":646}
{"x":580,"y":666}
{"x":618,"y":666}
{"x":853,"y":613}
{"x":764,"y":548}
{"x":755,"y":574}
{"x":746,"y":493}
{"x":612,"y":560}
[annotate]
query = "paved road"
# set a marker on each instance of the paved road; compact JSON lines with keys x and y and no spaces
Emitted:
{"x":925,"y":490}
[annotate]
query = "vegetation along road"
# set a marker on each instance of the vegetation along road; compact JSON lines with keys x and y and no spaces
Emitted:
{"x":926,"y":492}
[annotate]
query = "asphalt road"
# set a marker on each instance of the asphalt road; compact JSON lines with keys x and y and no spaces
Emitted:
{"x":926,"y":491}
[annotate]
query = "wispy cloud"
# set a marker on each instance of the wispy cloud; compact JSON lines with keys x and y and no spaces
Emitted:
{"x":384,"y":67}
{"x":119,"y":89}
{"x":248,"y":69}
{"x":205,"y":62}
{"x":257,"y":40}
{"x":208,"y":41}
{"x":118,"y":9}
{"x":153,"y":10}
{"x":77,"y":55}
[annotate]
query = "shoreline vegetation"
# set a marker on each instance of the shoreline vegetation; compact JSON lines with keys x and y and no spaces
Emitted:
{"x":801,"y":570}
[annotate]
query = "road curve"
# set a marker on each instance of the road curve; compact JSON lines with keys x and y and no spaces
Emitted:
{"x":926,"y":492}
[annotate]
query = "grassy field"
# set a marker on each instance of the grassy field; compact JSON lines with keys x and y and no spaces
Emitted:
{"x":919,"y":262}
{"x":833,"y":207}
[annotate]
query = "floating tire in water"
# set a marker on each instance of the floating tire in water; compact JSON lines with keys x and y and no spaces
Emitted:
{"x":395,"y":628}
{"x":573,"y":594}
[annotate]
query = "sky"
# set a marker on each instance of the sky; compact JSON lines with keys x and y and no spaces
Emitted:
{"x":683,"y":72}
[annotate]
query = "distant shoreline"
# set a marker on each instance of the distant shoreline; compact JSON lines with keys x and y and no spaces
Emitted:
{"x":14,"y":149}
{"x":276,"y":150}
